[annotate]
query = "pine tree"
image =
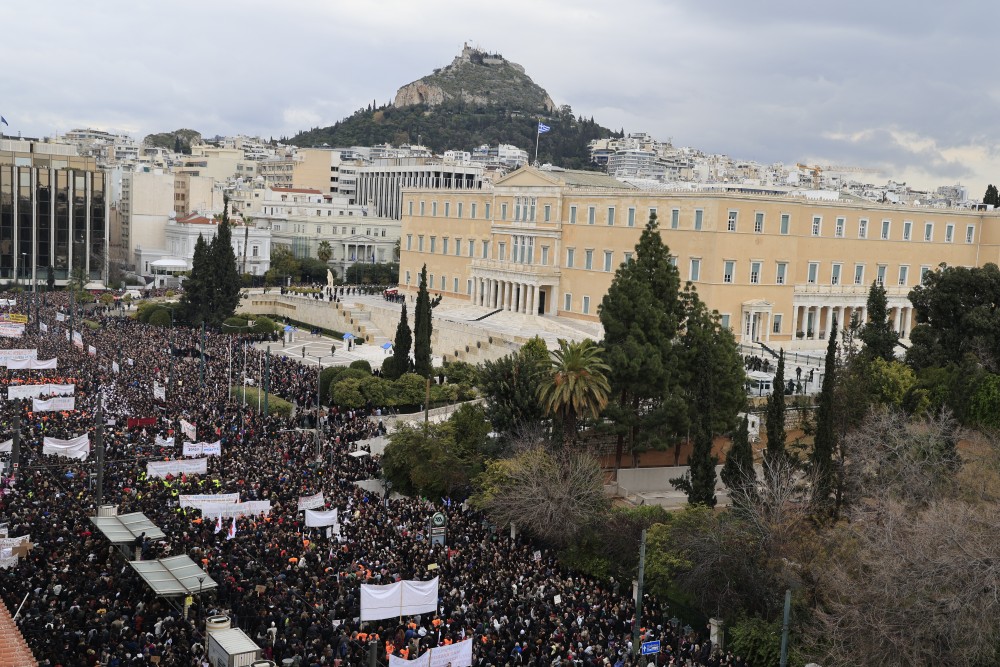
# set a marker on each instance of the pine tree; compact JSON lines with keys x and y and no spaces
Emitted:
{"x":225,"y":288}
{"x":992,"y":196}
{"x":422,"y":329}
{"x":826,"y":433}
{"x":738,"y":473}
{"x":775,"y":416}
{"x":401,"y":347}
{"x":877,"y":335}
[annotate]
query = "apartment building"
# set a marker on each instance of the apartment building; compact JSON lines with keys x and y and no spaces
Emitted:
{"x":778,"y":269}
{"x":53,"y":212}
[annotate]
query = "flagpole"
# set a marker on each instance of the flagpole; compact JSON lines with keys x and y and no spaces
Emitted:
{"x":538,"y":134}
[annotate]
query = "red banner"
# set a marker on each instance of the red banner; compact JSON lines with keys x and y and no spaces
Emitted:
{"x":141,"y":422}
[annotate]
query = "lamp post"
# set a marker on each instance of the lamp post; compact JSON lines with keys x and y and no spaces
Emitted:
{"x":319,"y":391}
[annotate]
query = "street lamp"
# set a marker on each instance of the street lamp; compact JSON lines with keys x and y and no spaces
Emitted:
{"x":319,"y":392}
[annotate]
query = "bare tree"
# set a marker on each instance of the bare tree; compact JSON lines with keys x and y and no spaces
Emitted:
{"x":554,"y":495}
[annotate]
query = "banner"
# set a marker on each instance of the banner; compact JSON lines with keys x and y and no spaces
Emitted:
{"x":159,"y":392}
{"x":140,"y":422}
{"x":458,"y":654}
{"x":77,"y":448}
{"x":403,"y":598}
{"x":114,"y":367}
{"x":11,"y":330}
{"x":8,"y":302}
{"x":196,"y":500}
{"x":311,"y":502}
{"x":14,"y":317}
{"x":78,"y":339}
{"x":236,"y":510}
{"x":43,"y":327}
{"x":316,"y":519}
{"x":32,"y":364}
{"x":164,"y":442}
{"x":203,"y":448}
{"x":7,"y":355}
{"x":91,"y":350}
{"x":422,"y":661}
{"x":60,"y":317}
{"x":12,"y":542}
{"x":175,"y":468}
{"x":17,"y":391}
{"x":53,"y":404}
{"x":7,"y":446}
{"x":189,"y":430}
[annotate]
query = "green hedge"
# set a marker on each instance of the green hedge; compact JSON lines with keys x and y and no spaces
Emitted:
{"x":275,"y":404}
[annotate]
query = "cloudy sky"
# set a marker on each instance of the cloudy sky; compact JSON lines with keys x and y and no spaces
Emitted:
{"x":907,"y":87}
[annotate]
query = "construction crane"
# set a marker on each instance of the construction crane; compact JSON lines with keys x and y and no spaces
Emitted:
{"x":816,"y":172}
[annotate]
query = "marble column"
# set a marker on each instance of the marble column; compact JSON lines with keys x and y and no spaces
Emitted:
{"x":897,"y":318}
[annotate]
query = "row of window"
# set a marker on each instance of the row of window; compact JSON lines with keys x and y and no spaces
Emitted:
{"x":297,"y":228}
{"x":813,"y":276}
{"x":524,"y":210}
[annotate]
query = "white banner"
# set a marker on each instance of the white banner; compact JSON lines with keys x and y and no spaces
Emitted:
{"x":17,"y":391}
{"x":422,"y":661}
{"x":189,"y":430}
{"x":159,"y":392}
{"x":77,"y":448}
{"x":208,"y":498}
{"x":91,"y":350}
{"x":458,"y":654}
{"x":78,"y":339}
{"x":60,"y":317}
{"x":53,"y":404}
{"x":7,"y":355}
{"x":114,"y":367}
{"x":11,"y":330}
{"x":316,"y":519}
{"x":236,"y":510}
{"x":203,"y":448}
{"x":311,"y":502}
{"x":8,"y":302}
{"x":164,"y":442}
{"x":38,"y":390}
{"x":11,"y":542}
{"x":33,"y":364}
{"x":403,"y":598}
{"x":43,"y":327}
{"x":7,"y":445}
{"x":164,"y":468}
{"x":7,"y":562}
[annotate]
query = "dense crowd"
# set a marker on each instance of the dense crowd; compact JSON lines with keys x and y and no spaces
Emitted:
{"x":294,"y":590}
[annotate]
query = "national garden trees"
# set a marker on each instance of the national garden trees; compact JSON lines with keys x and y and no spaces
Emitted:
{"x":212,"y":291}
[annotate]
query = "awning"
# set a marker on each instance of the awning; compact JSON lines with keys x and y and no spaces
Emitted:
{"x":126,"y":527}
{"x":169,"y":264}
{"x":177,"y":575}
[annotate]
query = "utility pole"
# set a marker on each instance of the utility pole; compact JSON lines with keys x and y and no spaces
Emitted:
{"x":99,"y":437}
{"x":15,"y":448}
{"x":784,"y":628}
{"x":201,"y":374}
{"x":72,"y":310}
{"x":427,"y":405}
{"x":373,"y":653}
{"x":638,"y":595}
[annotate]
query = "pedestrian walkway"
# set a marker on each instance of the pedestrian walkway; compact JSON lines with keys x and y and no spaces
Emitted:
{"x":312,"y":349}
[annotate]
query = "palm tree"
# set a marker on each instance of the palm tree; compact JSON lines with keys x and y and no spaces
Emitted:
{"x":576,"y":385}
{"x":325,"y":252}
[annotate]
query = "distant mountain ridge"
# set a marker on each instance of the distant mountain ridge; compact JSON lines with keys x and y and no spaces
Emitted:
{"x":479,"y":99}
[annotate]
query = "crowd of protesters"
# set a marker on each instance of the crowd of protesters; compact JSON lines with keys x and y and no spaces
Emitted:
{"x":294,"y":590}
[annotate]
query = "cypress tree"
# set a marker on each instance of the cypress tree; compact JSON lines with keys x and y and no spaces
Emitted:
{"x":738,"y":473}
{"x":877,"y":335}
{"x":401,"y":347}
{"x":775,"y":417}
{"x":422,"y":329}
{"x":701,"y":490}
{"x":225,"y":287}
{"x":826,"y":433}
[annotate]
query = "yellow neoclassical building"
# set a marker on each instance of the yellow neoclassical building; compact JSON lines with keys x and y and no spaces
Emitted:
{"x":777,"y":268}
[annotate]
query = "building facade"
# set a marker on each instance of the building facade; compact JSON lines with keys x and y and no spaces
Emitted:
{"x":53,"y":212}
{"x":778,"y":269}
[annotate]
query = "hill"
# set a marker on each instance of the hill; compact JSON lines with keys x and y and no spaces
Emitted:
{"x":477,"y":78}
{"x":478,"y":99}
{"x":460,"y":126}
{"x":178,"y":140}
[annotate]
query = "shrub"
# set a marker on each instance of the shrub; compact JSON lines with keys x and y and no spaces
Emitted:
{"x":160,"y":317}
{"x":276,"y":406}
{"x":361,"y":364}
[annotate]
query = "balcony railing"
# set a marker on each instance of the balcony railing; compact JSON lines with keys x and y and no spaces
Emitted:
{"x":515,"y":267}
{"x":849,"y":290}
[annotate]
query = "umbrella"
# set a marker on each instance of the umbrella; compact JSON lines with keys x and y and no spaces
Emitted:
{"x":386,"y":346}
{"x":348,"y":336}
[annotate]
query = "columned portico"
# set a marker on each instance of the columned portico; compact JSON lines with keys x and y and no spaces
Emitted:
{"x":527,"y":290}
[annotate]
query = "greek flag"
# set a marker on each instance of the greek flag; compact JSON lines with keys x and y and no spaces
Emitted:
{"x":3,"y":120}
{"x":543,"y":128}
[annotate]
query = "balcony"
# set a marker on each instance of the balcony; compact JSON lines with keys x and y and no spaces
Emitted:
{"x":891,"y":291}
{"x":515,"y":268}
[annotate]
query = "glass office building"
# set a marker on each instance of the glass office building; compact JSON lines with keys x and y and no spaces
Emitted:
{"x":53,"y":212}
